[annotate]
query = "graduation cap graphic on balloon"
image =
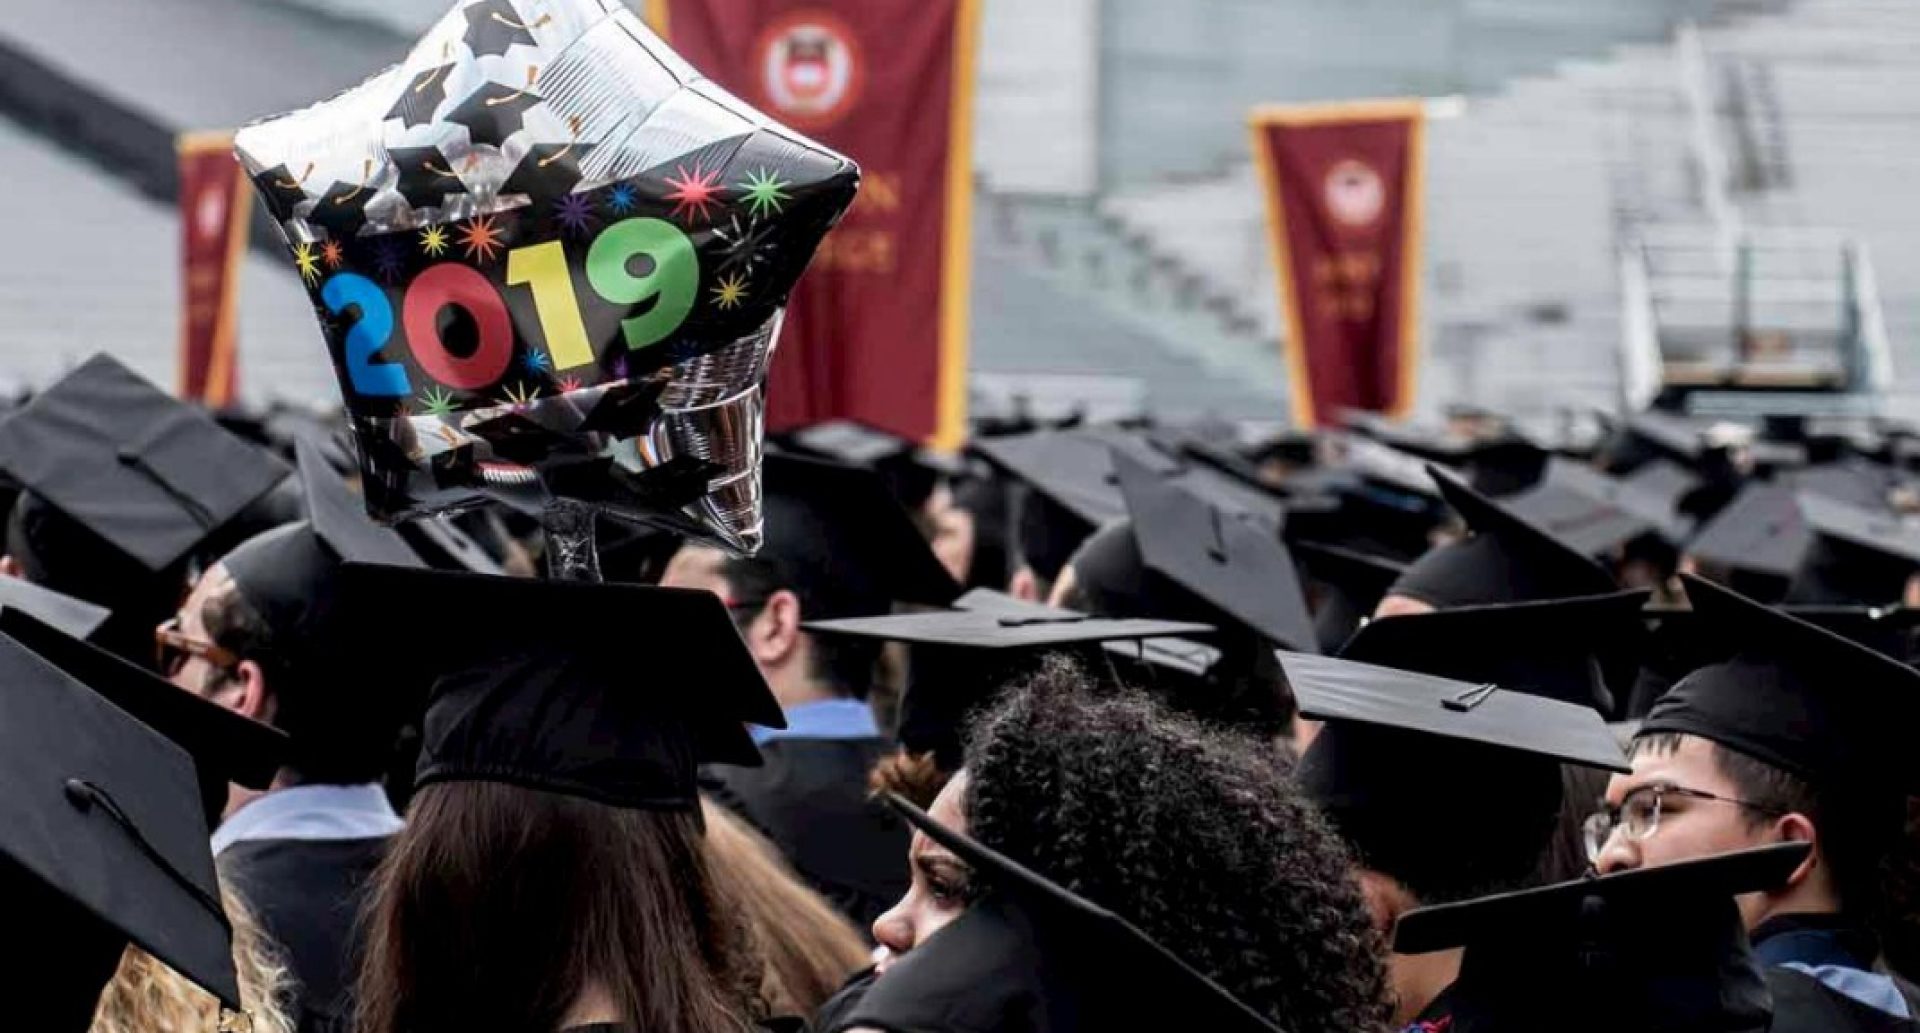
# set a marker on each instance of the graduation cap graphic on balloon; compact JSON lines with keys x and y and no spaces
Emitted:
{"x":279,"y":191}
{"x":547,"y":171}
{"x":579,"y":299}
{"x":494,"y":112}
{"x":421,"y":97}
{"x":426,"y":176}
{"x":494,"y":25}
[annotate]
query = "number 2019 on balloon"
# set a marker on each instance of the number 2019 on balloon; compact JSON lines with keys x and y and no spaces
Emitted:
{"x":672,"y":284}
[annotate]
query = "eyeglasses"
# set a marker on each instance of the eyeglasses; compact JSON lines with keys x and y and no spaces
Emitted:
{"x":1638,"y":815}
{"x":173,"y":648}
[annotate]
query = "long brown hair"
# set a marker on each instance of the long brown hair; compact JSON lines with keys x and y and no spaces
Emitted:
{"x":497,"y":906}
{"x":809,"y":948}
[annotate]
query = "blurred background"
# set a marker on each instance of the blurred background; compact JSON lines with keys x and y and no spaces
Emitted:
{"x":1620,"y":195}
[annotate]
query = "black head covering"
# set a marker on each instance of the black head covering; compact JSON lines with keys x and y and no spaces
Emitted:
{"x":1757,"y":542}
{"x":1796,"y":697}
{"x":102,"y":843}
{"x":611,"y":693}
{"x":1506,"y":558}
{"x":149,"y":475}
{"x":226,"y":747}
{"x":1064,"y":489}
{"x":1032,"y":955}
{"x":1557,"y":649}
{"x":1595,"y":513}
{"x":75,"y":617}
{"x":839,"y":540}
{"x":1410,"y":767}
{"x":1656,"y":949}
{"x":1233,"y":561}
{"x":910,"y":472}
{"x":1346,"y":585}
{"x":1858,"y":555}
{"x":960,"y":659}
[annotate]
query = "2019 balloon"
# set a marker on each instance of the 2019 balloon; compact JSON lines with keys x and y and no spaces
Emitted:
{"x":550,"y":260}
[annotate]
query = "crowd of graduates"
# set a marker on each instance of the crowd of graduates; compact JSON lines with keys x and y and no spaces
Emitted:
{"x":1379,"y":727}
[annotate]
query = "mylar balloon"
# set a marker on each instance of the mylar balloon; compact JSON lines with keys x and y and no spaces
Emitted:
{"x":550,"y":260}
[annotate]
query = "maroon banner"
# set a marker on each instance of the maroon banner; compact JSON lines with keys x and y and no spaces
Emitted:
{"x":876,"y":330}
{"x":215,"y":202}
{"x":1343,"y":188}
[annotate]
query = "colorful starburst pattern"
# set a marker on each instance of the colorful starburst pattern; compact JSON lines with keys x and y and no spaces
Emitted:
{"x":437,"y":401}
{"x":520,"y":396}
{"x":764,"y":192}
{"x":622,"y":198}
{"x":331,"y":254}
{"x":567,"y":383}
{"x":695,"y":193}
{"x":388,"y":260}
{"x":574,"y":213}
{"x":482,"y":238}
{"x":306,"y":261}
{"x":433,"y":240}
{"x":536,"y":362}
{"x":730,"y":292}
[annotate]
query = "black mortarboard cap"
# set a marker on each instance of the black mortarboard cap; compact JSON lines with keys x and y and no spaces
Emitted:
{"x":1033,"y":955}
{"x":1235,"y":562}
{"x":1505,"y":559}
{"x":343,"y":208}
{"x":548,"y":170}
{"x":612,"y":693}
{"x":961,"y":658}
{"x":1346,"y":585}
{"x":151,"y":475}
{"x":1757,"y":542}
{"x":225,"y":746}
{"x":1068,"y":491}
{"x":1853,"y":480}
{"x":1556,"y":648}
{"x":1597,"y":514}
{"x":279,"y":191}
{"x":1401,"y":750}
{"x":910,"y":471}
{"x":1796,"y":697}
{"x":289,"y":575}
{"x":75,"y":617}
{"x":843,"y":543}
{"x":102,"y":843}
{"x":1858,"y":555}
{"x":1656,"y":949}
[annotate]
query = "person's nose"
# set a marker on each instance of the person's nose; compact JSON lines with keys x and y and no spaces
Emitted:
{"x":894,"y":928}
{"x":1618,"y":854}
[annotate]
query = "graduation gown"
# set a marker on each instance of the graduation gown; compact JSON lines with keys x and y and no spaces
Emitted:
{"x":1842,"y":952}
{"x":307,"y":896}
{"x":809,"y":796}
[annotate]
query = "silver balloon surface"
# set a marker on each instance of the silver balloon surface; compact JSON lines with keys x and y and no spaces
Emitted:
{"x":549,"y":260}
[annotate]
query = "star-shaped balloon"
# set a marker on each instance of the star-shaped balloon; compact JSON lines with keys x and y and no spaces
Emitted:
{"x":547,"y":171}
{"x":658,"y":260}
{"x":426,"y":177}
{"x":279,"y":191}
{"x":421,"y":97}
{"x":342,"y":209}
{"x":494,"y":25}
{"x":494,"y":112}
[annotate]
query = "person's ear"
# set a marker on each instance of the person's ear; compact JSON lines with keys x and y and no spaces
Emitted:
{"x":10,"y":567}
{"x":1064,"y":587}
{"x":253,"y":699}
{"x":775,"y":631}
{"x":1798,"y":828}
{"x":1386,"y":899}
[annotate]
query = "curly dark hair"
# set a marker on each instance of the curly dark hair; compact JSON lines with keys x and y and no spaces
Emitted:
{"x":1196,"y":835}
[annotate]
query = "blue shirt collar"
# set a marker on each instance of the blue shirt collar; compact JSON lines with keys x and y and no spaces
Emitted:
{"x":1829,"y":950}
{"x":827,"y":719}
{"x":315,"y":813}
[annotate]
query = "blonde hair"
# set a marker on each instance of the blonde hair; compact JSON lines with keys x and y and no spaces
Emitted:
{"x":808,"y":948}
{"x":145,"y":996}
